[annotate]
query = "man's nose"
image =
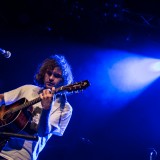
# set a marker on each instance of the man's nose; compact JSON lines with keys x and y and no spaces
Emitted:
{"x":51,"y":77}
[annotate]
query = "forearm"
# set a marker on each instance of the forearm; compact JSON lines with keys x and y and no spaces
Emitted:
{"x":44,"y":125}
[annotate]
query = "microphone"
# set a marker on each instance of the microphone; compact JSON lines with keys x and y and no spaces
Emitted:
{"x":5,"y":53}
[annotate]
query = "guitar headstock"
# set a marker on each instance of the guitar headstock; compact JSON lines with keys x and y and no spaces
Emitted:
{"x":78,"y":86}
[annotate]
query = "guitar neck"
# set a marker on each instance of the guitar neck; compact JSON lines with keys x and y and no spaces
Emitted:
{"x":30,"y":103}
{"x":25,"y":105}
{"x":69,"y":88}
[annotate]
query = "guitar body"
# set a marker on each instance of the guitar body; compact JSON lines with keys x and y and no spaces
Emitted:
{"x":14,"y":122}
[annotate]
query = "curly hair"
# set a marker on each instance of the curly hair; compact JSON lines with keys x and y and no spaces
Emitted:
{"x":50,"y":64}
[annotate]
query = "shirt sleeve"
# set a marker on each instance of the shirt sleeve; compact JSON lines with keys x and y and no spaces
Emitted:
{"x":26,"y":91}
{"x":12,"y":96}
{"x":59,"y":118}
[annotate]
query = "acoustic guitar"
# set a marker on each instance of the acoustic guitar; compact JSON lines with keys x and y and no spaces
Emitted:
{"x":15,"y":117}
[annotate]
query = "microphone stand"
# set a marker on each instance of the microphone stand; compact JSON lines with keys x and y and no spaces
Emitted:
{"x":27,"y":137}
{"x":5,"y":137}
{"x":152,"y":154}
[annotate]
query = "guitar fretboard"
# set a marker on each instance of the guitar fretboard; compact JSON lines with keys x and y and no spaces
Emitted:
{"x":26,"y":104}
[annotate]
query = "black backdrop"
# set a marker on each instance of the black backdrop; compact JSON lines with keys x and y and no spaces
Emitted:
{"x":96,"y":131}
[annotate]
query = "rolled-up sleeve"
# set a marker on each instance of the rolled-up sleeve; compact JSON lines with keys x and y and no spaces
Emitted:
{"x":59,"y":118}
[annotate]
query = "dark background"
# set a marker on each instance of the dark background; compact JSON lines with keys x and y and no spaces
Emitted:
{"x":33,"y":30}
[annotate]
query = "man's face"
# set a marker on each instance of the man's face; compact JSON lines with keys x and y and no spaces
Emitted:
{"x":53,"y":78}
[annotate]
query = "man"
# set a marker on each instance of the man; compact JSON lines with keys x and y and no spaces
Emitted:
{"x":49,"y":116}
